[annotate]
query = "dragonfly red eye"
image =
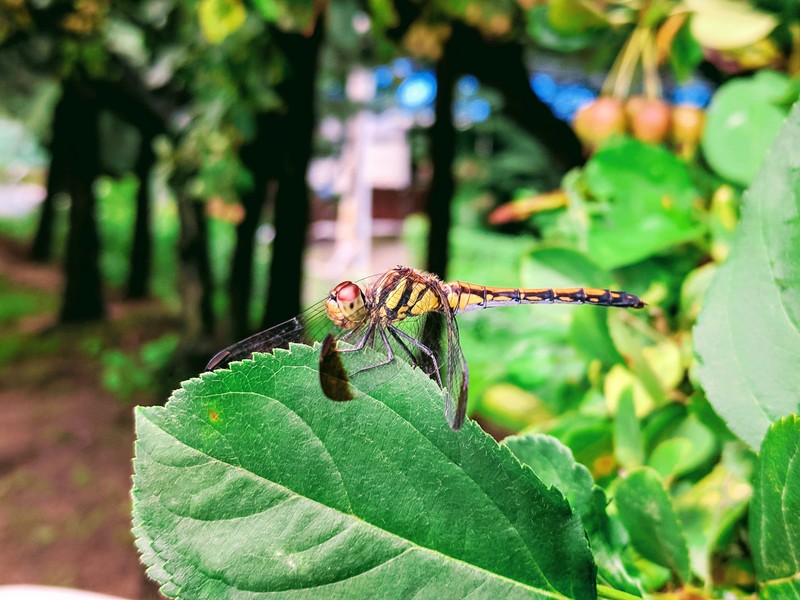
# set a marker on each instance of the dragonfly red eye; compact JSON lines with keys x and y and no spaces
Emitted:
{"x":347,"y":291}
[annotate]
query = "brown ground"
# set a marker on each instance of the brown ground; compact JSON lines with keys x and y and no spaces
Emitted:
{"x":66,"y":444}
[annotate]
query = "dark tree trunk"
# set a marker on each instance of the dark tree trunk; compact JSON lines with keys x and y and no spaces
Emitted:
{"x":195,"y":267}
{"x":42,"y":249}
{"x":292,"y":201}
{"x":83,"y":294}
{"x":260,"y":156}
{"x":443,"y":148}
{"x":195,"y":284}
{"x":142,"y":249}
{"x":502,"y":66}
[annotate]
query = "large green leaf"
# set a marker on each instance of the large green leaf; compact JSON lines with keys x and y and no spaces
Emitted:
{"x":249,"y":481}
{"x":748,"y":334}
{"x":555,"y":465}
{"x":743,"y":120}
{"x":646,"y":511}
{"x":774,"y":522}
{"x":647,"y":200}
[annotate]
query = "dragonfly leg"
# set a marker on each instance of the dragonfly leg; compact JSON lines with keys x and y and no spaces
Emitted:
{"x":389,"y":354}
{"x":402,"y":344}
{"x":361,"y":343}
{"x":423,"y":348}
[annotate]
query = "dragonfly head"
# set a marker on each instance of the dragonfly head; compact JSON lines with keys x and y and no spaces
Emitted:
{"x":346,"y":306}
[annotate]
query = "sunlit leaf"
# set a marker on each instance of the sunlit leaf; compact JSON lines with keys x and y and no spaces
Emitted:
{"x":220,"y":18}
{"x":748,"y":334}
{"x":725,"y":24}
{"x":250,"y":479}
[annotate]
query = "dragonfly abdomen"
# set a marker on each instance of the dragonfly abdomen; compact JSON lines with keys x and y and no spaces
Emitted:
{"x":464,"y":297}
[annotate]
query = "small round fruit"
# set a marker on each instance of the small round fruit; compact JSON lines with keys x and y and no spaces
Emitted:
{"x":688,"y":123}
{"x":599,"y":120}
{"x":649,"y":119}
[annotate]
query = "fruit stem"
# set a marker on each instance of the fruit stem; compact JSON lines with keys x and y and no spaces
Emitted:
{"x":628,"y":59}
{"x":652,"y":83}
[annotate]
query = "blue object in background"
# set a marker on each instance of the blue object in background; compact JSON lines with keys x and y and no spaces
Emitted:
{"x":471,"y":110}
{"x":544,"y":86}
{"x":384,"y":77}
{"x":467,"y":85}
{"x":695,"y":93}
{"x":418,"y":90}
{"x":569,"y":99}
{"x":402,"y":67}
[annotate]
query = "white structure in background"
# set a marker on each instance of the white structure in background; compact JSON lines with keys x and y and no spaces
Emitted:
{"x":376,"y":154}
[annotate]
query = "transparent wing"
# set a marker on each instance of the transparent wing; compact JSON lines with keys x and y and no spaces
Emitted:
{"x":434,"y":347}
{"x":306,"y":328}
{"x":457,"y":375}
{"x":312,"y":325}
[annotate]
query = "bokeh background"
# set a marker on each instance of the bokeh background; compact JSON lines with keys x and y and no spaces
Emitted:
{"x":176,"y":175}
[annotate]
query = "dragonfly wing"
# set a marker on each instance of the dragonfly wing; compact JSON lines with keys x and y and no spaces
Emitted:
{"x":439,"y":333}
{"x":312,"y":325}
{"x":457,"y":376}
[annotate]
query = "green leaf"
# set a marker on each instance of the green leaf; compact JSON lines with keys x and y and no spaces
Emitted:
{"x":742,"y":122}
{"x":774,"y":522}
{"x":270,"y":10}
{"x":645,"y":510}
{"x":709,"y":510}
{"x":250,"y":479}
{"x":748,"y":335}
{"x":590,"y":439}
{"x":691,"y":445}
{"x":628,"y":447}
{"x":648,"y":198}
{"x":542,"y":32}
{"x":554,"y":464}
{"x":570,"y":17}
{"x":685,"y":54}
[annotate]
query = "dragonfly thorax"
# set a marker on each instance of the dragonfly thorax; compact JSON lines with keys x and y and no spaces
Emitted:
{"x":346,"y":305}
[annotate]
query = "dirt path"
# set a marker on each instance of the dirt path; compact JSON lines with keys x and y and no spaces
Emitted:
{"x":66,"y":446}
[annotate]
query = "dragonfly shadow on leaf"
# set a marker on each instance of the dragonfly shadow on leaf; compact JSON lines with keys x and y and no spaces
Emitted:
{"x":332,"y":372}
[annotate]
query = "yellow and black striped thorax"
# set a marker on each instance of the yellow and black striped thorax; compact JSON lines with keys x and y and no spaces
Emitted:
{"x":402,"y":292}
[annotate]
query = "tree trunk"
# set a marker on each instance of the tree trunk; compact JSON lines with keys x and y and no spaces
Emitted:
{"x":443,"y":148}
{"x":473,"y":54}
{"x":292,"y":201}
{"x":501,"y":65}
{"x":195,"y":283}
{"x":142,"y":249}
{"x":83,"y":294}
{"x":42,"y":249}
{"x":260,"y":156}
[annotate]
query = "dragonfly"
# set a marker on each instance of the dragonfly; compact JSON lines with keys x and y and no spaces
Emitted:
{"x":408,"y":313}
